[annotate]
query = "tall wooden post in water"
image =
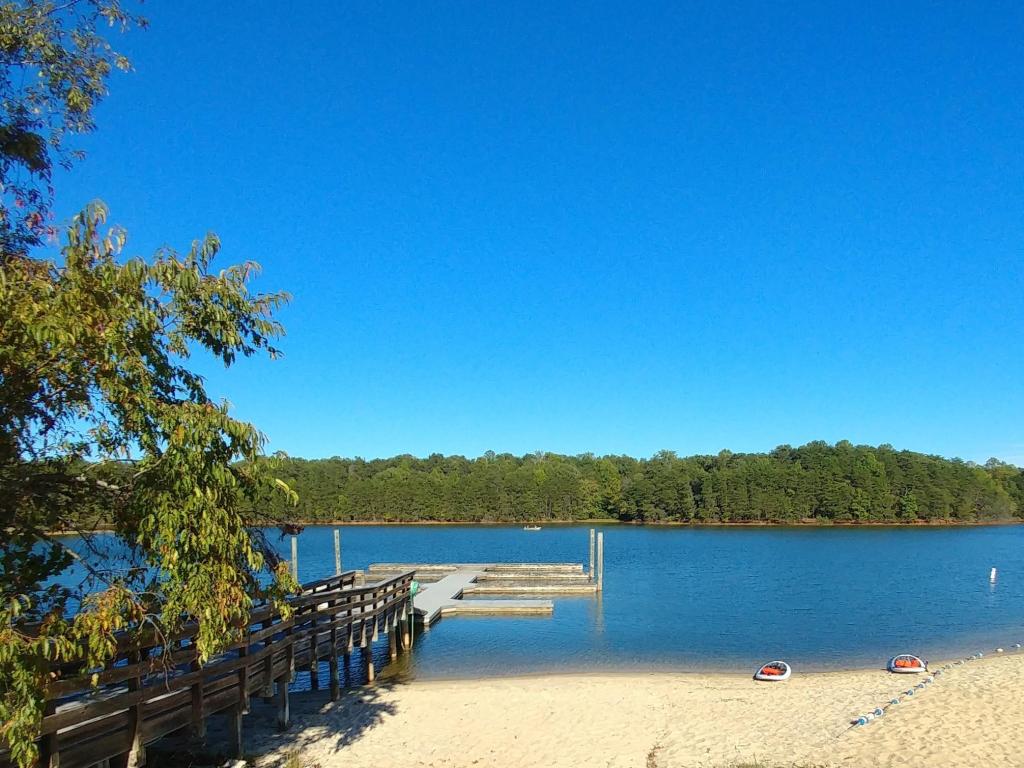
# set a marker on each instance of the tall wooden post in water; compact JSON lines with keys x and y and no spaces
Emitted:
{"x":591,"y":554}
{"x":295,"y":557}
{"x":337,"y":552}
{"x":600,"y":561}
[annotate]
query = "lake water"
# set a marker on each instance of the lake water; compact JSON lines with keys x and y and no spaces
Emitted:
{"x":713,"y":598}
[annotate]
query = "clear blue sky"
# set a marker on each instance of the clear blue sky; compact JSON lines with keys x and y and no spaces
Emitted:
{"x":606,"y":228}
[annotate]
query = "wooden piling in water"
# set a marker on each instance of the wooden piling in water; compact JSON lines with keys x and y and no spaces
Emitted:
{"x":591,"y":554}
{"x":295,"y":557}
{"x":600,"y":561}
{"x":337,"y":552}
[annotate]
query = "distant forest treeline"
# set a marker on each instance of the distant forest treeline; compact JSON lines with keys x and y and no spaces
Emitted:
{"x":816,"y":482}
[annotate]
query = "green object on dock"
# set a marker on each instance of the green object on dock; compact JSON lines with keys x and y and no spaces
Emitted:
{"x":414,"y":588}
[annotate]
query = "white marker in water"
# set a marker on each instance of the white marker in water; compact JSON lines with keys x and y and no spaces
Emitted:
{"x":992,"y":576}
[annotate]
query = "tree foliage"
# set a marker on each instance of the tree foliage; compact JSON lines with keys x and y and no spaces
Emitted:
{"x":101,"y":416}
{"x":54,"y":65}
{"x":817,"y":482}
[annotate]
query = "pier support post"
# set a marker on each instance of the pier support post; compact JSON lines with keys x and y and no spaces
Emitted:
{"x":600,"y":561}
{"x":137,"y":754}
{"x":371,"y":673}
{"x":295,"y":557}
{"x":198,"y":721}
{"x":407,"y":630}
{"x":314,"y":662}
{"x":235,"y":732}
{"x":243,"y":679}
{"x":283,"y":712}
{"x":591,"y":554}
{"x":49,"y":752}
{"x":393,"y":640}
{"x":337,"y":552}
{"x":332,"y":663}
{"x":267,"y":691}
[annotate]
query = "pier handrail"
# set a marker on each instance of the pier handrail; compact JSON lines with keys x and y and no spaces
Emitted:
{"x":155,"y":685}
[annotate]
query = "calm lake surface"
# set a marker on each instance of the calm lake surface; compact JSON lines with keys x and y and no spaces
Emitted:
{"x":713,"y":598}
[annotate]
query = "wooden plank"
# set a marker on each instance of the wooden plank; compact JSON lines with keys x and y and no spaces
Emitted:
{"x":167,"y":722}
{"x":91,"y":752}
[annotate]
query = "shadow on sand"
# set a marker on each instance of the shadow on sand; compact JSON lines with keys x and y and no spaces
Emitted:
{"x":321,"y":723}
{"x":316,"y":723}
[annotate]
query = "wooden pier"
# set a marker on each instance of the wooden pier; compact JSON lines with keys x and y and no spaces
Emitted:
{"x":154,"y":689}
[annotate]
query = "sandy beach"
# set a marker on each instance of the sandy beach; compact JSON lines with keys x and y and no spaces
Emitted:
{"x":971,"y":715}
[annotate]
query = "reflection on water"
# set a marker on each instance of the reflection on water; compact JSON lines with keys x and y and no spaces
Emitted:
{"x":700,"y":598}
{"x":723,"y":598}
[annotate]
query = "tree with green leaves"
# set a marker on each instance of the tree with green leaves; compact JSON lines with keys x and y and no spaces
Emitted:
{"x":54,"y":66}
{"x":102,"y":415}
{"x":817,"y":482}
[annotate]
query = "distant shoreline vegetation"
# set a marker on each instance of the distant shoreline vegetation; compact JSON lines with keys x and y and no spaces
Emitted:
{"x":814,"y":484}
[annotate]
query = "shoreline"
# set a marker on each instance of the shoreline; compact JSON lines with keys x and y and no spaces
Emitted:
{"x":667,"y":524}
{"x":970,"y":715}
{"x":709,"y":672}
{"x":920,"y":524}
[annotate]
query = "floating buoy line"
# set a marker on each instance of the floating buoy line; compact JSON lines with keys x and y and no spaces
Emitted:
{"x":880,"y":711}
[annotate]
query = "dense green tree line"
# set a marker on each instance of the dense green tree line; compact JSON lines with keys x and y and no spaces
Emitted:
{"x":815,"y":482}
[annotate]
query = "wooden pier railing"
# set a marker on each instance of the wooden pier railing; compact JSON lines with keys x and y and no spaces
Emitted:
{"x":107,"y":717}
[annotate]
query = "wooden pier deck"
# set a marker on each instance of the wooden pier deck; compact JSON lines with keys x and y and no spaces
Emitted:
{"x":155,"y":688}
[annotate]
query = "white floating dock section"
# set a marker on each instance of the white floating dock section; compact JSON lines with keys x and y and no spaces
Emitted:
{"x":443,"y":586}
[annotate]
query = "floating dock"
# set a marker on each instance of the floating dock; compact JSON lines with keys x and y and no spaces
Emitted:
{"x":444,"y":588}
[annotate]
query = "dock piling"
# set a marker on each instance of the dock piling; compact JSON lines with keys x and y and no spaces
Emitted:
{"x":337,"y":552}
{"x":295,"y":557}
{"x":591,"y":554}
{"x":600,"y":561}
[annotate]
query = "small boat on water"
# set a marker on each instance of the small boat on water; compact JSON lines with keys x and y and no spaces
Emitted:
{"x":907,"y":664}
{"x":531,"y":527}
{"x":773,"y":672}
